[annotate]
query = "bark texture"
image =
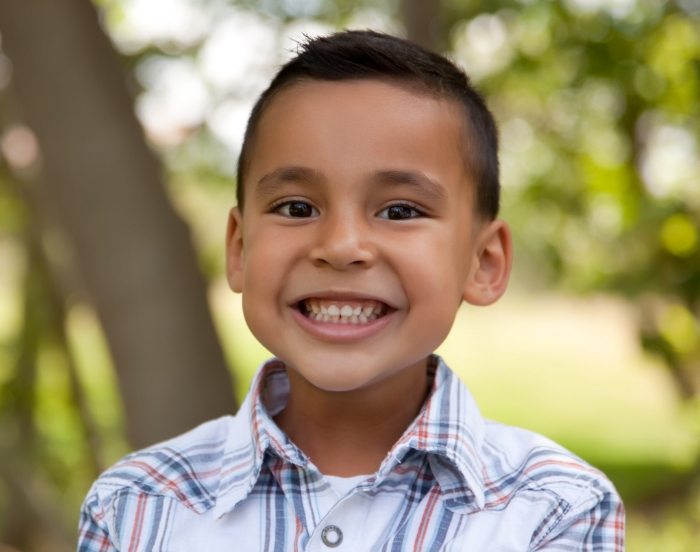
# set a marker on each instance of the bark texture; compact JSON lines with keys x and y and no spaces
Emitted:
{"x":106,"y":191}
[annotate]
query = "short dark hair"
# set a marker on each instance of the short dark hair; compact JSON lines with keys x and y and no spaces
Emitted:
{"x":358,"y":55}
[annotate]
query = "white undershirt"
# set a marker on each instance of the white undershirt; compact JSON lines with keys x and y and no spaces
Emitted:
{"x":343,"y":485}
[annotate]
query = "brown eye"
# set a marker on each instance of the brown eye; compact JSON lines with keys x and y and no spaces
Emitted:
{"x":399,"y":211}
{"x":296,"y":209}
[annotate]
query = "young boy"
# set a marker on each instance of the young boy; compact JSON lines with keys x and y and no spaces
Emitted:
{"x":367,"y":200}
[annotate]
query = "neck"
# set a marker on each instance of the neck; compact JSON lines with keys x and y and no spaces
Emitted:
{"x":350,"y":433}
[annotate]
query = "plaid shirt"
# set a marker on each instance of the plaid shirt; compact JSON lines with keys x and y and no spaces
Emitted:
{"x":453,"y":481}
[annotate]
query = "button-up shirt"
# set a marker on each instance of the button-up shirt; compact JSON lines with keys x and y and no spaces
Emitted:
{"x":453,"y":481}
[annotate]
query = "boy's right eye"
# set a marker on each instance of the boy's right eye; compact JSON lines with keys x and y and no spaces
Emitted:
{"x":296,"y":209}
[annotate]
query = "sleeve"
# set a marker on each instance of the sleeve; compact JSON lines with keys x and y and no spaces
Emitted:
{"x":597,"y":525}
{"x":93,"y":531}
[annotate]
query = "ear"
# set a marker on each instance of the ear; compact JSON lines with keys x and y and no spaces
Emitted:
{"x":234,"y":250}
{"x":493,"y":258}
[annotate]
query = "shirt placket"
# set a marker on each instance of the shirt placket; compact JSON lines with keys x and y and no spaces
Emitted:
{"x":341,"y":528}
{"x":330,"y":524}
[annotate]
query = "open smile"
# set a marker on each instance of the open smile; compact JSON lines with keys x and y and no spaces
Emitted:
{"x":342,"y":318}
{"x":342,"y":311}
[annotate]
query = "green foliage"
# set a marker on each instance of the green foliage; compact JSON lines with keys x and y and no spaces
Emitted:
{"x":600,"y":124}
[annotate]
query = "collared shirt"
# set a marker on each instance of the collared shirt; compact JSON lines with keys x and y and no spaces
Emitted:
{"x":453,"y":482}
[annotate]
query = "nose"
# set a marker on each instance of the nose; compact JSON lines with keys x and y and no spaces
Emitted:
{"x":344,"y":240}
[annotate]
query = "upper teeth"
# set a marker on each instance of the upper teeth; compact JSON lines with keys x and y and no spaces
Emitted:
{"x":345,"y":313}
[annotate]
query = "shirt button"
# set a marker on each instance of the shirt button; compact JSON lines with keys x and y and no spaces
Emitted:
{"x":332,"y":536}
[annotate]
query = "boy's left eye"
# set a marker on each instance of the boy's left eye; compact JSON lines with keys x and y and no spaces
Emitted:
{"x":399,"y":211}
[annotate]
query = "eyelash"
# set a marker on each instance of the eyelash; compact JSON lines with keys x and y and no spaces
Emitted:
{"x":418,"y":212}
{"x":278,"y":206}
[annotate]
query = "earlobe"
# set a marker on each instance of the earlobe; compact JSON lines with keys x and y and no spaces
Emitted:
{"x":492,"y":262}
{"x":234,"y":250}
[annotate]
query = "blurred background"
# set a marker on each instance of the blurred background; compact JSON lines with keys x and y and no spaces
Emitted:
{"x":120,"y":124}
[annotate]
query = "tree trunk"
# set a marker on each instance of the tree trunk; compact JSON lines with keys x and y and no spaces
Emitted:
{"x":105,"y":188}
{"x":421,"y":19}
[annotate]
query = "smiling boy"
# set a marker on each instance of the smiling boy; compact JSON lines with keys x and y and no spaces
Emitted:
{"x":367,"y":203}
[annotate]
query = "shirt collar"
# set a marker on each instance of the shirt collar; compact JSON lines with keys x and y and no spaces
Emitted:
{"x":449,"y":428}
{"x":253,"y":434}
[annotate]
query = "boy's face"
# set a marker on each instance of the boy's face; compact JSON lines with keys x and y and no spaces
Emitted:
{"x":358,"y":205}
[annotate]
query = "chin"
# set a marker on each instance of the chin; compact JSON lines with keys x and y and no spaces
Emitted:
{"x":340,"y":373}
{"x":335,"y":380}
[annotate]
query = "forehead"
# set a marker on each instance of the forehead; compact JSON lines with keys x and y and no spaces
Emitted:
{"x":347,"y":127}
{"x":367,"y":102}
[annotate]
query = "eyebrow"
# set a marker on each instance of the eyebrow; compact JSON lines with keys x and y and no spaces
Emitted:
{"x":416,"y":180}
{"x":272,"y":181}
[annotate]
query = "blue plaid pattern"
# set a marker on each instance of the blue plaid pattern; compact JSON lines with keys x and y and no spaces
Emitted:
{"x":454,"y":481}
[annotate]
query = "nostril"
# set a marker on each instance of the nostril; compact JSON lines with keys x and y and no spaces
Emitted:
{"x":343,"y":254}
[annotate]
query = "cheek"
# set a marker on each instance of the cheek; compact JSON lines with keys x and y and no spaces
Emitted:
{"x":256,"y":287}
{"x":259,"y":317}
{"x":260,"y":252}
{"x":436,"y":265}
{"x":267,"y":269}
